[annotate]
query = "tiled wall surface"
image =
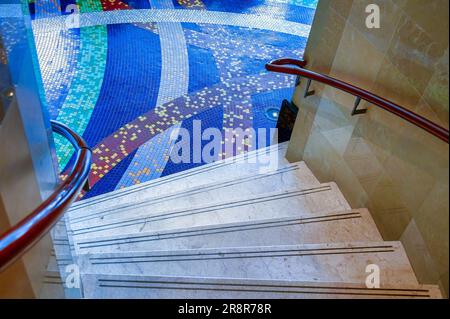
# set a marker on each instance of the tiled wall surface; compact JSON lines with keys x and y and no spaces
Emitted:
{"x":379,"y":161}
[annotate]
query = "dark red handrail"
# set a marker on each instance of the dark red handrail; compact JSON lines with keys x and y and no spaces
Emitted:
{"x":17,"y":240}
{"x":296,"y":67}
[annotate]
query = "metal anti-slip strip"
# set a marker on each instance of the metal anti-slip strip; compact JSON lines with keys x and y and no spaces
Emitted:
{"x":215,"y":230}
{"x":254,"y":285}
{"x":297,"y":289}
{"x":194,"y":211}
{"x":310,"y":292}
{"x":242,"y":255}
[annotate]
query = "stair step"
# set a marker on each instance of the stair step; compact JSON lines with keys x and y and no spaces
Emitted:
{"x":61,"y":241}
{"x":293,"y":176}
{"x":343,"y":262}
{"x":249,"y":163}
{"x":59,"y":230}
{"x":52,"y":286}
{"x":356,"y":226}
{"x":61,"y":245}
{"x":57,"y":266}
{"x":322,"y":199}
{"x":58,"y":263}
{"x":154,"y":287}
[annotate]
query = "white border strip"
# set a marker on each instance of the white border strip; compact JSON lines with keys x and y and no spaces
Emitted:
{"x":178,"y":16}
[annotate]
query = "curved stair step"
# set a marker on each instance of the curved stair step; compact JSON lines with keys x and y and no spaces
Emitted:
{"x":52,"y":286}
{"x":154,"y":287}
{"x":326,"y":198}
{"x":242,"y":165}
{"x":343,"y":262}
{"x":348,"y":226}
{"x":291,"y":176}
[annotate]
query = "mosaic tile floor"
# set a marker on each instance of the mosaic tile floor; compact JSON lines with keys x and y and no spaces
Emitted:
{"x":134,"y":71}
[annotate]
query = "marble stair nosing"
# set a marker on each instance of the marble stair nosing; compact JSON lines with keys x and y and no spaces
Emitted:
{"x":99,"y":286}
{"x":63,"y":255}
{"x":348,"y":226}
{"x":217,"y":171}
{"x":341,"y":262}
{"x":326,"y":198}
{"x":292,"y":176}
{"x":57,"y":263}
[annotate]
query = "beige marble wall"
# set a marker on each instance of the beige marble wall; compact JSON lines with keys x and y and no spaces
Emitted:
{"x":379,"y":161}
{"x":19,"y":195}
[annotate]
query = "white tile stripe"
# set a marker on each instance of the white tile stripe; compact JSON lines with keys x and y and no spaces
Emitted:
{"x":174,"y":15}
{"x":301,"y":3}
{"x":173,"y":84}
{"x":175,"y":64}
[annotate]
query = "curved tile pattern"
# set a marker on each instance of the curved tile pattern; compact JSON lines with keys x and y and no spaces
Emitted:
{"x":47,"y":8}
{"x":58,"y":53}
{"x":84,"y":91}
{"x":174,"y":15}
{"x":150,"y":160}
{"x":112,"y":150}
{"x":206,"y":64}
{"x":86,"y":84}
{"x":152,"y":157}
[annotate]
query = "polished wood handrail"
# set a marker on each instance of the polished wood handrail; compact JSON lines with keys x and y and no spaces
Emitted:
{"x":296,"y":67}
{"x":17,"y":240}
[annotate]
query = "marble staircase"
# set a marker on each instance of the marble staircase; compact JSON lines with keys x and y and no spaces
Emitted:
{"x":236,"y":228}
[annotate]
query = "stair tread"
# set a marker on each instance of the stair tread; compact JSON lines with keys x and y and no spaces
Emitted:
{"x":341,"y":262}
{"x":355,"y":225}
{"x":166,"y":287}
{"x":52,"y":286}
{"x":295,"y":175}
{"x":237,"y":166}
{"x":231,"y":229}
{"x":325,"y":198}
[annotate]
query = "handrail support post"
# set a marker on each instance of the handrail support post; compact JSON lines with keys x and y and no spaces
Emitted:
{"x":308,"y":92}
{"x":355,"y":110}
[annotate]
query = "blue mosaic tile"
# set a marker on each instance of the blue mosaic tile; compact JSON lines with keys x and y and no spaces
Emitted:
{"x":150,"y":159}
{"x":209,"y":118}
{"x":138,"y":4}
{"x":192,"y":26}
{"x":109,"y":182}
{"x":125,"y":87}
{"x":131,"y":81}
{"x":267,"y":38}
{"x":286,"y":10}
{"x":203,"y":70}
{"x":47,"y":8}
